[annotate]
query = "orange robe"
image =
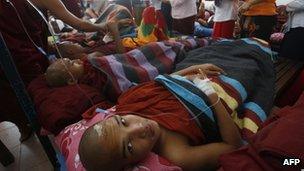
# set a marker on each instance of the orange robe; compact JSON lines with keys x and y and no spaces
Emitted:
{"x":151,"y":100}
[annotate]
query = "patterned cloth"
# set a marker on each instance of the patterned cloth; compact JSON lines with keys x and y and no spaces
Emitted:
{"x":152,"y":28}
{"x":141,"y":65}
{"x":195,"y":101}
{"x":248,"y":89}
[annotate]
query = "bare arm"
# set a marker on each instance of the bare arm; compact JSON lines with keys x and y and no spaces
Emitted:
{"x":209,"y":69}
{"x":113,"y":28}
{"x":57,"y":8}
{"x":205,"y":157}
{"x":228,"y":129}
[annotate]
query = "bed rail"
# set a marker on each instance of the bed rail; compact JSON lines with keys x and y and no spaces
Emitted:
{"x":10,"y":70}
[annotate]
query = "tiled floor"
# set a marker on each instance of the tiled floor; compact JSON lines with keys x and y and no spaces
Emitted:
{"x":29,"y":156}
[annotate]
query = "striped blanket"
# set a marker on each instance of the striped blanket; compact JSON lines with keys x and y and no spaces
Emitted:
{"x":247,"y":91}
{"x":143,"y":64}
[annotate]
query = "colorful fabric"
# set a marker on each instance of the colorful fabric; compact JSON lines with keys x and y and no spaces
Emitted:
{"x":152,"y":28}
{"x":121,"y":71}
{"x":196,"y":103}
{"x":248,"y":89}
{"x":121,"y":12}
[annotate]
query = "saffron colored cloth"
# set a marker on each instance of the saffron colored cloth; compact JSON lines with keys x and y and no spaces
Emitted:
{"x":152,"y":28}
{"x":152,"y":100}
{"x":263,"y":8}
{"x":281,"y":138}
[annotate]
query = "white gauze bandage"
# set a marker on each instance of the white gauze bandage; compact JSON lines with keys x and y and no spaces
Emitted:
{"x":204,"y":85}
{"x":98,"y":129}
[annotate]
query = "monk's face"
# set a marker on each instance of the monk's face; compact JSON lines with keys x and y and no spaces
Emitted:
{"x":132,"y":137}
{"x":75,"y":67}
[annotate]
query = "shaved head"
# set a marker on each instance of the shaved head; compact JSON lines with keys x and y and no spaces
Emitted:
{"x":96,"y":151}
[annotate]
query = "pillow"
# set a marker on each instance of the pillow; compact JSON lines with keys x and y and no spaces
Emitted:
{"x":68,"y":141}
{"x":62,"y":106}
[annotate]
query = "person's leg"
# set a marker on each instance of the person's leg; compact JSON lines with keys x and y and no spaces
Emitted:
{"x":227,"y":29}
{"x":166,"y":10}
{"x":217,"y":27}
{"x":292,"y":44}
{"x":202,"y":31}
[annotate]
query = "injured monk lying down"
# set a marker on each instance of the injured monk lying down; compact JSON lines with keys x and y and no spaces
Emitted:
{"x":114,"y":74}
{"x":190,"y":117}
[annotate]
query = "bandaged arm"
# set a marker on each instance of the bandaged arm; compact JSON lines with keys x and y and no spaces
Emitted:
{"x":205,"y":157}
{"x":228,"y":130}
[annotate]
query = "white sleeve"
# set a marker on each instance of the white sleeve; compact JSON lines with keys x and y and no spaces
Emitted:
{"x":209,"y":5}
{"x":175,"y":3}
{"x":296,"y":5}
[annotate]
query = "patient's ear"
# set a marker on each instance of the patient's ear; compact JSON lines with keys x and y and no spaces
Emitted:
{"x":72,"y":81}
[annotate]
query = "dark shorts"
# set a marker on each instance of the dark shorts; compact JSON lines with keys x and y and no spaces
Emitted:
{"x":184,"y":26}
{"x":292,"y":45}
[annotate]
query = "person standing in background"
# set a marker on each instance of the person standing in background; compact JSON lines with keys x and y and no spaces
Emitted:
{"x":184,"y":15}
{"x":292,"y":44}
{"x":225,"y":15}
{"x":258,"y":18}
{"x":166,"y":10}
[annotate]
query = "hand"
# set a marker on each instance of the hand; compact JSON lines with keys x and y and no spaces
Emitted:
{"x":208,"y":69}
{"x":244,"y":7}
{"x":112,"y":25}
{"x":192,"y":77}
{"x":125,"y":22}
